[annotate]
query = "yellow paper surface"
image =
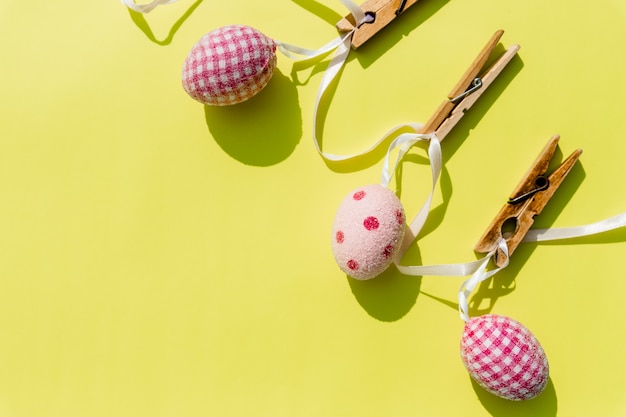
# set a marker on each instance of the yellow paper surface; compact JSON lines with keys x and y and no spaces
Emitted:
{"x":160,"y":258}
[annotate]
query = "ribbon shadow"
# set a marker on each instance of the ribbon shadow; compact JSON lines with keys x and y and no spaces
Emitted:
{"x":398,"y":29}
{"x":140,"y":20}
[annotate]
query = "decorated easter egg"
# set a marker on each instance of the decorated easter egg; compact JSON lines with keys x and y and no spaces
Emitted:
{"x":229,"y":65}
{"x":368,"y":231}
{"x":504,"y":357}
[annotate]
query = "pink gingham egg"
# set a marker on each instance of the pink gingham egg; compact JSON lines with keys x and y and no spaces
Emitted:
{"x":504,"y":357}
{"x":368,"y":231}
{"x":229,"y":65}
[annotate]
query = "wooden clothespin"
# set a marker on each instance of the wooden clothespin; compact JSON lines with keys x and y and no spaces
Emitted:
{"x":382,"y":11}
{"x":527,"y":200}
{"x":469,"y":88}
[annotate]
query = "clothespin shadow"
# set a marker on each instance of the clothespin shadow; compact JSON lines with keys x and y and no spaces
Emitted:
{"x":140,"y":20}
{"x":259,"y":132}
{"x":389,"y":296}
{"x":544,"y":405}
{"x":401,"y":27}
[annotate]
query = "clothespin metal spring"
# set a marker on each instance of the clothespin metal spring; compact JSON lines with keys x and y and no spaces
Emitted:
{"x":541,"y":183}
{"x":476,"y":84}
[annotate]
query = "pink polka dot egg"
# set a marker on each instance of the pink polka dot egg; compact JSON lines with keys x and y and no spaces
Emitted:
{"x":368,"y":231}
{"x":504,"y":357}
{"x":229,"y":65}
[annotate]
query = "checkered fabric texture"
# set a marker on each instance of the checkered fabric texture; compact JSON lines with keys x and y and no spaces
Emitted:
{"x":229,"y":65}
{"x":504,"y":357}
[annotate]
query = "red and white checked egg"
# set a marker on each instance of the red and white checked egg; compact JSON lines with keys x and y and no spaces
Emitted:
{"x":229,"y":65}
{"x":368,"y":231}
{"x":504,"y":357}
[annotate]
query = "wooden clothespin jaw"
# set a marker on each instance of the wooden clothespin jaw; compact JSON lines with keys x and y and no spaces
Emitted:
{"x":383,"y":12}
{"x":527,"y":200}
{"x":469,"y":88}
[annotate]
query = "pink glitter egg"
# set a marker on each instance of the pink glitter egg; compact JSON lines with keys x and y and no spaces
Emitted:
{"x":229,"y":65}
{"x":368,"y":231}
{"x":504,"y":357}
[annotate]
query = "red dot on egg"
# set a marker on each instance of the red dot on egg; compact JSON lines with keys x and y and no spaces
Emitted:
{"x":371,"y":223}
{"x":353,"y":265}
{"x":339,"y":236}
{"x":359,"y":195}
{"x":388,"y":251}
{"x":400,"y":217}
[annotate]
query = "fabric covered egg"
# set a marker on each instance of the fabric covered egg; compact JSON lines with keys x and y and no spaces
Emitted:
{"x":504,"y":357}
{"x":229,"y":65}
{"x":368,"y":231}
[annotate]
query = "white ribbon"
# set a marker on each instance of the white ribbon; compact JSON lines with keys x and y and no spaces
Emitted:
{"x":480,"y":275}
{"x":145,"y":8}
{"x":405,"y":141}
{"x":542,"y":235}
{"x":297,"y":53}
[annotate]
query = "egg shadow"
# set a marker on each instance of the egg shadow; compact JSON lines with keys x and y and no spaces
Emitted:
{"x":544,"y":405}
{"x":140,"y":21}
{"x":389,"y":296}
{"x":263,"y":130}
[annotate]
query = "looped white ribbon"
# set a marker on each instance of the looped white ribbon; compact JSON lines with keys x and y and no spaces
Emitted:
{"x":405,"y":142}
{"x":145,"y":8}
{"x":341,"y":46}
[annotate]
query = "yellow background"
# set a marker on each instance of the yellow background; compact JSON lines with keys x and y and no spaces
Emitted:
{"x":159,"y":258}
